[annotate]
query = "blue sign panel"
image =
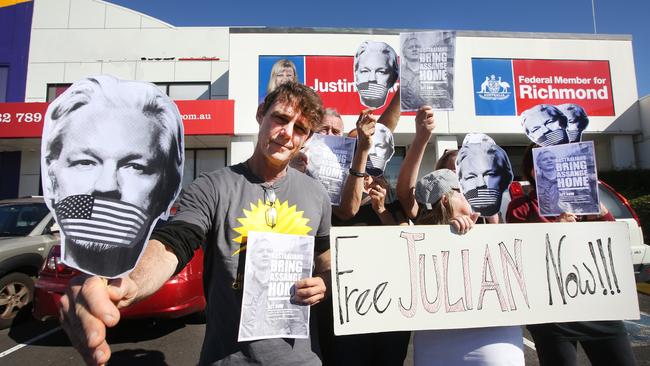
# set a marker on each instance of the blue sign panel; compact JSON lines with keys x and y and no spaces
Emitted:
{"x":493,"y":87}
{"x":266,"y":67}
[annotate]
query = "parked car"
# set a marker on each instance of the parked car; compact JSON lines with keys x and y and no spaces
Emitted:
{"x":620,"y":208}
{"x":27,"y":232}
{"x":181,"y":295}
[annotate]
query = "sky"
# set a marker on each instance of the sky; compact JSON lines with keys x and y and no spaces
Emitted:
{"x":631,"y":17}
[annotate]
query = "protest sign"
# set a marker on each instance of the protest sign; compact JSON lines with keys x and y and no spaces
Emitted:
{"x":427,"y":70}
{"x":394,"y":278}
{"x":329,"y":161}
{"x":274,"y":262}
{"x":112,"y":154}
{"x":566,"y":179}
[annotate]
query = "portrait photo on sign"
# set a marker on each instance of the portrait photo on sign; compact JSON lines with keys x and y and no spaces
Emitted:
{"x":566,"y":179}
{"x":274,"y":262}
{"x":112,"y":154}
{"x":330,"y":159}
{"x":277,"y":70}
{"x":375,"y":72}
{"x":484,"y":173}
{"x":427,"y":70}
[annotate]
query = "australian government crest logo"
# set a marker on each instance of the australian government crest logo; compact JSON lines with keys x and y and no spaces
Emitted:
{"x":494,"y":89}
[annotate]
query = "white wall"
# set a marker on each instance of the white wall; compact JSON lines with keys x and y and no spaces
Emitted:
{"x":72,"y":39}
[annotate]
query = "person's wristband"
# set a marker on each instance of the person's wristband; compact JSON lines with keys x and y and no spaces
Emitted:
{"x":356,"y":173}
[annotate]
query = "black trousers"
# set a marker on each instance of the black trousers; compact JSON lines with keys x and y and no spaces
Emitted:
{"x":605,"y":352}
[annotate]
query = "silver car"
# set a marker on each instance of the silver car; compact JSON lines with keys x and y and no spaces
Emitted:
{"x":27,"y":232}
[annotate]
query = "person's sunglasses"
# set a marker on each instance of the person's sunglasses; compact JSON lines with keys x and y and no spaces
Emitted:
{"x":271,"y":214}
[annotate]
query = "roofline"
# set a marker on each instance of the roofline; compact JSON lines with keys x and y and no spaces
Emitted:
{"x":460,"y":33}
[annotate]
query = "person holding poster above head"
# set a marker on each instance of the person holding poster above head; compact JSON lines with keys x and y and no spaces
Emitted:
{"x":545,"y":125}
{"x":577,"y":120}
{"x":283,"y":71}
{"x":604,"y":342}
{"x":436,"y":200}
{"x":375,"y":71}
{"x":112,"y":162}
{"x":217,"y":211}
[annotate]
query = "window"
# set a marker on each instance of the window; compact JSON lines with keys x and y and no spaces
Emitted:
{"x":4,"y":77}
{"x":186,"y":91}
{"x":54,"y":90}
{"x":202,"y":160}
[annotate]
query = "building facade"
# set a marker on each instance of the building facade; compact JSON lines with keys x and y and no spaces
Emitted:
{"x":219,"y":75}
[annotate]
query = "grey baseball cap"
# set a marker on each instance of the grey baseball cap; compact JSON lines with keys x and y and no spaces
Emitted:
{"x":434,"y":185}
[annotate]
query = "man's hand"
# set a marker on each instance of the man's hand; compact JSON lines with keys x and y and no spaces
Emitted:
{"x":424,"y":123}
{"x":377,"y":192}
{"x":88,"y":307}
{"x":464,"y":223}
{"x":309,"y":291}
{"x":300,"y":161}
{"x":365,"y":129}
{"x":567,"y":217}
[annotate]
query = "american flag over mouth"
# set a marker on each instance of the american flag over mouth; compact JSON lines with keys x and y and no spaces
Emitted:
{"x":102,"y":220}
{"x":372,"y":90}
{"x":482,"y":197}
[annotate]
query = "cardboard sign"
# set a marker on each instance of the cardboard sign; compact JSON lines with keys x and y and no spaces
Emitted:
{"x":393,"y":278}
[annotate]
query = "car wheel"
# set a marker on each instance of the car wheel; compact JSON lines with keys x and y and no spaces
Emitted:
{"x":16,"y":292}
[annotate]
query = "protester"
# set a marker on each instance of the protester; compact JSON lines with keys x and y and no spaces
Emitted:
{"x":604,"y":342}
{"x":436,"y":200}
{"x":214,"y":212}
{"x":114,"y":144}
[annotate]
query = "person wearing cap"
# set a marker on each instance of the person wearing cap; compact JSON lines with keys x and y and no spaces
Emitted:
{"x":545,"y":125}
{"x":436,"y":200}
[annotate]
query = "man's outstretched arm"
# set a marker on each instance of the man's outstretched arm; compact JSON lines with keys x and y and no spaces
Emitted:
{"x":90,"y":304}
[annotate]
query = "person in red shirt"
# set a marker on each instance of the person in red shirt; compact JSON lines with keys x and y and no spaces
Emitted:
{"x":604,"y":342}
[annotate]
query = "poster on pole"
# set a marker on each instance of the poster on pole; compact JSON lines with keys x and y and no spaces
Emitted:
{"x":274,"y":262}
{"x":566,"y":179}
{"x":427,"y":70}
{"x":394,"y":278}
{"x":329,"y":161}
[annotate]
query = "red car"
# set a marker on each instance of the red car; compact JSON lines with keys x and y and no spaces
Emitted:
{"x":181,"y":295}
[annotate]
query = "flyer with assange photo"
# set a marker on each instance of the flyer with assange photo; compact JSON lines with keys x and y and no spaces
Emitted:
{"x":566,"y":179}
{"x":274,"y":262}
{"x":329,"y":161}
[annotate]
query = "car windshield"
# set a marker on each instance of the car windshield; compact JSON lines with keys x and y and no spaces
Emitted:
{"x":20,"y":219}
{"x":613,"y":204}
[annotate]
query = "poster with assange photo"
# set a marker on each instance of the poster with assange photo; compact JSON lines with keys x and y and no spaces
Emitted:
{"x":548,"y":125}
{"x":566,"y":179}
{"x":112,"y":154}
{"x":330,"y":160}
{"x":375,"y":72}
{"x":427,"y":70}
{"x":484,"y":173}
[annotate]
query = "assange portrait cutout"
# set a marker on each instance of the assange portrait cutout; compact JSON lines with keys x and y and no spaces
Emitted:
{"x":577,"y":120}
{"x":375,"y":72}
{"x":112,"y":155}
{"x":484,"y":173}
{"x":545,"y":125}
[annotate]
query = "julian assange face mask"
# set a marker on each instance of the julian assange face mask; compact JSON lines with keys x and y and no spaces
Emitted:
{"x":372,"y":93}
{"x":95,"y":225}
{"x":486,"y":201}
{"x":551,"y":138}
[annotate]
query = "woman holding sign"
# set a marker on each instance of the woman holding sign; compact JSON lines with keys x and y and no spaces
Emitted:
{"x":604,"y":342}
{"x":436,"y":200}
